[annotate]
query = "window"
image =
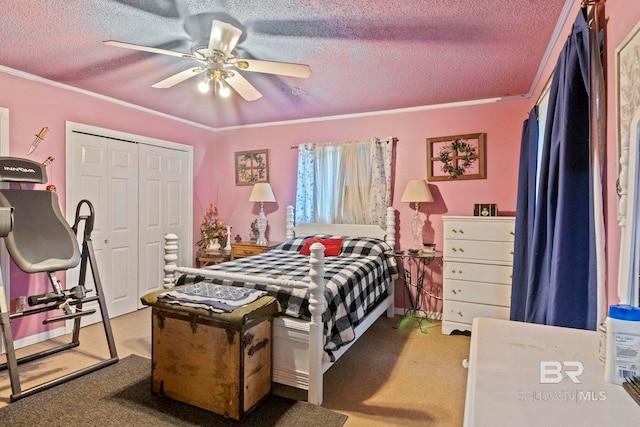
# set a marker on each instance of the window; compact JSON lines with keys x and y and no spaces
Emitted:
{"x":347,"y":183}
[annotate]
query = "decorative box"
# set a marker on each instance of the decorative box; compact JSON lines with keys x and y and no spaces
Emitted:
{"x":485,"y":209}
{"x":220,"y":362}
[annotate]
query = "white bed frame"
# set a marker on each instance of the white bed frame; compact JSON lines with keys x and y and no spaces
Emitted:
{"x":298,"y":355}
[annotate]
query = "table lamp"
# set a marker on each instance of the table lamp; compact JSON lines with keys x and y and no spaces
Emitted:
{"x":262,"y":193}
{"x":417,"y":191}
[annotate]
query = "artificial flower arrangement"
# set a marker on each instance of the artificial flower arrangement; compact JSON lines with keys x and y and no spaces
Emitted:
{"x":212,"y":227}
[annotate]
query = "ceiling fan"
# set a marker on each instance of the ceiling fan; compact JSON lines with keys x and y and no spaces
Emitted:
{"x":218,"y":61}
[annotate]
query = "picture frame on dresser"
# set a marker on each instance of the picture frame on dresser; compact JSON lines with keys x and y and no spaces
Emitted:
{"x":477,"y":273}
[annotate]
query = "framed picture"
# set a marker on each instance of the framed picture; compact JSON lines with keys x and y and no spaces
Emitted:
{"x":456,"y":157}
{"x":252,"y":167}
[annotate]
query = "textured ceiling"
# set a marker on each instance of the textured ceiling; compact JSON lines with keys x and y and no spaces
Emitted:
{"x":365,"y":55}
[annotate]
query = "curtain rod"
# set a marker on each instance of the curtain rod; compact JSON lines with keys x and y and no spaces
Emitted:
{"x":547,"y":85}
{"x":380,"y":140}
{"x":545,"y":89}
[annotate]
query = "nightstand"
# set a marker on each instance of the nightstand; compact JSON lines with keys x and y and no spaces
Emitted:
{"x":245,"y":249}
{"x":413,"y":271}
{"x":204,"y":257}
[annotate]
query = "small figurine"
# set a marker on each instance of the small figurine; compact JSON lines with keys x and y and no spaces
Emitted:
{"x":255,"y":233}
{"x":238,"y":238}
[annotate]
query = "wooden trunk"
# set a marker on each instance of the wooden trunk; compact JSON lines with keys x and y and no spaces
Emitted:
{"x":221,"y":363}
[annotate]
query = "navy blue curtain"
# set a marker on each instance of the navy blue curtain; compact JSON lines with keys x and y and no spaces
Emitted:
{"x":561,"y":285}
{"x":524,"y":214}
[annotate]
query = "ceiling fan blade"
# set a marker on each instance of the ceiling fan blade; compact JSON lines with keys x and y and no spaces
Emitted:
{"x":177,"y":78}
{"x":149,"y":49}
{"x":270,"y":67}
{"x":243,"y":87}
{"x":224,"y":37}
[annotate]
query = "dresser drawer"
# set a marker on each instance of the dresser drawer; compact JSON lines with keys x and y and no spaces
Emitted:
{"x":245,"y":251}
{"x":477,"y":292}
{"x":489,"y":229}
{"x":465,"y":312}
{"x":489,"y":273}
{"x":480,"y":250}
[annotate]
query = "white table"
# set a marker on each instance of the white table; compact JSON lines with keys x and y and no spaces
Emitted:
{"x":505,"y":386}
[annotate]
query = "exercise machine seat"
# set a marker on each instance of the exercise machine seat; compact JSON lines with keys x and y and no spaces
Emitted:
{"x":41,"y":239}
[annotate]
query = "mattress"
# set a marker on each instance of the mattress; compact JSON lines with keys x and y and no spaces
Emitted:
{"x":356,"y":280}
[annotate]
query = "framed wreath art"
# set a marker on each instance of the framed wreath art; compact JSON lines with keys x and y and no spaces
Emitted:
{"x":252,"y":167}
{"x":456,"y":157}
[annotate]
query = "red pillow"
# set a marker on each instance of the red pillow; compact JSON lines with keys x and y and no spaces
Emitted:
{"x":332,"y":247}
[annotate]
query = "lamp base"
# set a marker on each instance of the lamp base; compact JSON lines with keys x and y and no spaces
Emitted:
{"x":262,"y":228}
{"x":416,"y":231}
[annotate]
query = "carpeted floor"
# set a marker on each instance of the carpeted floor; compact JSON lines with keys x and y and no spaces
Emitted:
{"x":120,"y":395}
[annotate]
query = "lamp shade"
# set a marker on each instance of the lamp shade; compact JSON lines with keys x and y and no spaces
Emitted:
{"x":417,"y":190}
{"x":262,"y":192}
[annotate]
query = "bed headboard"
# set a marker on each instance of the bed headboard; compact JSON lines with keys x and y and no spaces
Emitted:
{"x":387,"y":234}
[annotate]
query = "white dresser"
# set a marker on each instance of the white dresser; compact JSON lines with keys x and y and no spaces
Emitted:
{"x":478,"y":262}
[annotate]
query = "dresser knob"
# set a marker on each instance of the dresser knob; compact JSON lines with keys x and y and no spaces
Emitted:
{"x":453,"y":291}
{"x":460,"y":271}
{"x":511,"y":252}
{"x":453,"y":230}
{"x":513,"y":233}
{"x":461,"y":250}
{"x":454,"y":249}
{"x":460,"y":313}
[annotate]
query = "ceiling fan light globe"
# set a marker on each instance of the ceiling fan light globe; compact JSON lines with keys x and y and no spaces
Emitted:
{"x":222,"y":89}
{"x":203,"y":87}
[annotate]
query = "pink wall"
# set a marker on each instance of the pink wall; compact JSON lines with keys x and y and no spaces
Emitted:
{"x":502,"y":123}
{"x":33,"y":105}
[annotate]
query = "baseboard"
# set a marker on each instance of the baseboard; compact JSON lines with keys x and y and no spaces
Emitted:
{"x":426,"y":314}
{"x":37,"y":338}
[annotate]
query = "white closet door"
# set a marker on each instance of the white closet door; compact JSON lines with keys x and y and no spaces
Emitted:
{"x":105,"y":172}
{"x":163,"y":176}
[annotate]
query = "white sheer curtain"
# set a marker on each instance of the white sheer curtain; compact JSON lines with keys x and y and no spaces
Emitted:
{"x":346,"y":182}
{"x":306,"y":188}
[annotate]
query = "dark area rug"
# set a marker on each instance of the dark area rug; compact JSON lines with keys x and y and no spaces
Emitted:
{"x":120,"y":395}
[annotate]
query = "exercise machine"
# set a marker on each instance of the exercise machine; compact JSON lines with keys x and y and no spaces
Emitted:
{"x":39,"y":240}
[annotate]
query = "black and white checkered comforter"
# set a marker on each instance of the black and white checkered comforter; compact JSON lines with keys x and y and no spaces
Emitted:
{"x":355,"y":281}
